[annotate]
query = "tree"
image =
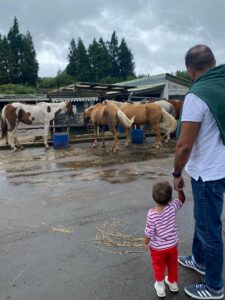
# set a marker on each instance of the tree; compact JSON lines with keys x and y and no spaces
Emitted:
{"x":83,"y":65}
{"x":113,"y":51}
{"x":71,"y":68}
{"x":5,"y":55}
{"x":183,"y":74}
{"x":125,"y":61}
{"x":15,"y":42}
{"x":23,"y":65}
{"x":100,"y":60}
{"x":63,"y":78}
{"x":29,"y":64}
{"x":93,"y":55}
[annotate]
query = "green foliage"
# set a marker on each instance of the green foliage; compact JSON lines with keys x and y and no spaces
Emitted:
{"x":105,"y":62}
{"x":183,"y":74}
{"x":125,"y":59}
{"x":18,"y":63}
{"x":17,"y":89}
{"x":71,"y":68}
{"x":63,"y":79}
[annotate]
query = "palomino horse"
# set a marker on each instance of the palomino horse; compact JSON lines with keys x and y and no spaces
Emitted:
{"x":14,"y":113}
{"x":110,"y":115}
{"x":150,"y":113}
{"x":177,"y":104}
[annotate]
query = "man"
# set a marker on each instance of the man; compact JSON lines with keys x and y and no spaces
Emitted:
{"x":201,"y":147}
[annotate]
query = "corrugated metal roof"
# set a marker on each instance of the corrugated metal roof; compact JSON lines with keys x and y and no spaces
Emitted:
{"x":83,"y":99}
{"x":148,"y":87}
{"x":156,"y":79}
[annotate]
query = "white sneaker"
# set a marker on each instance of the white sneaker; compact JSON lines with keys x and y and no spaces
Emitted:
{"x":173,"y":286}
{"x":160,"y":288}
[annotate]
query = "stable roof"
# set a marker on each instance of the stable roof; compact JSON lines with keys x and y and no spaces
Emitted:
{"x":87,"y":89}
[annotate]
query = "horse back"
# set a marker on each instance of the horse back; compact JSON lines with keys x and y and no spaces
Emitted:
{"x":135,"y":110}
{"x":154,"y":112}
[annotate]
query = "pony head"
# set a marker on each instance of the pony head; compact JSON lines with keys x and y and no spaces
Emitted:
{"x":69,"y":108}
{"x":87,"y":111}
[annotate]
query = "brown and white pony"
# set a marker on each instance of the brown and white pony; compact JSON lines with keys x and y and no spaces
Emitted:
{"x":110,"y":115}
{"x":149,"y":113}
{"x":14,"y":113}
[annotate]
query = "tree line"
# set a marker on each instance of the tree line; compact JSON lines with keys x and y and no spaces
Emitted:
{"x":104,"y":62}
{"x":18,"y":63}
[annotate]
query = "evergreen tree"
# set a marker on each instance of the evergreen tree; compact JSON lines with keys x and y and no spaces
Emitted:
{"x":5,"y":55}
{"x":93,"y":55}
{"x":71,"y":68}
{"x":100,"y":60}
{"x":83,"y":65}
{"x":105,"y":63}
{"x":29,"y":64}
{"x":23,"y":65}
{"x":125,"y":61}
{"x":113,"y":51}
{"x":16,"y":44}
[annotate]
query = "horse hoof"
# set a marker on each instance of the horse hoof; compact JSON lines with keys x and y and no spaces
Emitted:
{"x":156,"y":146}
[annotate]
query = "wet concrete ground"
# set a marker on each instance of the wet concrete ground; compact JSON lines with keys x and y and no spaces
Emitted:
{"x":54,"y":206}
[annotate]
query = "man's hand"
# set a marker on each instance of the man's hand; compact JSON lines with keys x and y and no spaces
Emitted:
{"x":178,"y":183}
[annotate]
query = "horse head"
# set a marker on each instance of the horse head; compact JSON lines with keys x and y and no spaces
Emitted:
{"x":105,"y":102}
{"x":69,"y":108}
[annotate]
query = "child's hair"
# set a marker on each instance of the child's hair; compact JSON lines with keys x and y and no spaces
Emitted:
{"x":162,"y":192}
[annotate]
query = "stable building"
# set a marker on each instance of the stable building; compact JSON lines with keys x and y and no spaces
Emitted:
{"x":164,"y":86}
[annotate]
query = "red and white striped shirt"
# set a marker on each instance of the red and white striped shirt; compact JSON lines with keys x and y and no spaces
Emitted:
{"x":161,"y":226}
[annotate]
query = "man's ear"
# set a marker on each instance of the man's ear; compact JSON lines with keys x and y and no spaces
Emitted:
{"x":191,"y":73}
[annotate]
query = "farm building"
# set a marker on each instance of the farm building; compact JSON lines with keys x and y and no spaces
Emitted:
{"x":156,"y":86}
{"x":29,"y":99}
{"x":85,"y":94}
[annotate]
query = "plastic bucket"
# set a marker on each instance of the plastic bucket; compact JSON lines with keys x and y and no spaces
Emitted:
{"x":137,"y":136}
{"x":60,"y":140}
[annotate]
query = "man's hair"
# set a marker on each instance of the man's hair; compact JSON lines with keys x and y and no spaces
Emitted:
{"x":199,"y":58}
{"x":162,"y":192}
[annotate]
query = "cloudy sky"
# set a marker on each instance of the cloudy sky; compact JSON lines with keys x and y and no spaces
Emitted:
{"x":158,"y":32}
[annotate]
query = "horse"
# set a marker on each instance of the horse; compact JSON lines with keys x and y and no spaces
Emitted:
{"x":110,"y":115}
{"x":42,"y":112}
{"x":167,"y":106}
{"x":177,"y":104}
{"x":150,"y":113}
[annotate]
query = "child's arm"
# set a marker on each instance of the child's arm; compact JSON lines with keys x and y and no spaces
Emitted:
{"x":146,"y":242}
{"x":181,"y":196}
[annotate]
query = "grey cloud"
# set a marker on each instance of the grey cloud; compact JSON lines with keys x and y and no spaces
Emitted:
{"x":158,"y":32}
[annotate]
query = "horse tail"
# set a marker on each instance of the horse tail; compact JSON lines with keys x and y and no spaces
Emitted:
{"x":4,"y":124}
{"x":169,"y":123}
{"x":126,"y":122}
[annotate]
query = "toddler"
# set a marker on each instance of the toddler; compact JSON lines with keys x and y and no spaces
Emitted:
{"x":161,"y":237}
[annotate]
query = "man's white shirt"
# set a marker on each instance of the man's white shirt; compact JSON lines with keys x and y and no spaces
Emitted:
{"x":207,"y":158}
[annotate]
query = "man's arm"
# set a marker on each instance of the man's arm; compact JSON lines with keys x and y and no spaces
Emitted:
{"x":188,"y":134}
{"x":146,"y":242}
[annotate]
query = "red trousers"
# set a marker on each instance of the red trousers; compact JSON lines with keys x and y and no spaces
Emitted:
{"x":162,"y":259}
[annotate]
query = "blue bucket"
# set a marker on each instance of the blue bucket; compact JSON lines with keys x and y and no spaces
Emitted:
{"x":137,"y":136}
{"x":60,"y":140}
